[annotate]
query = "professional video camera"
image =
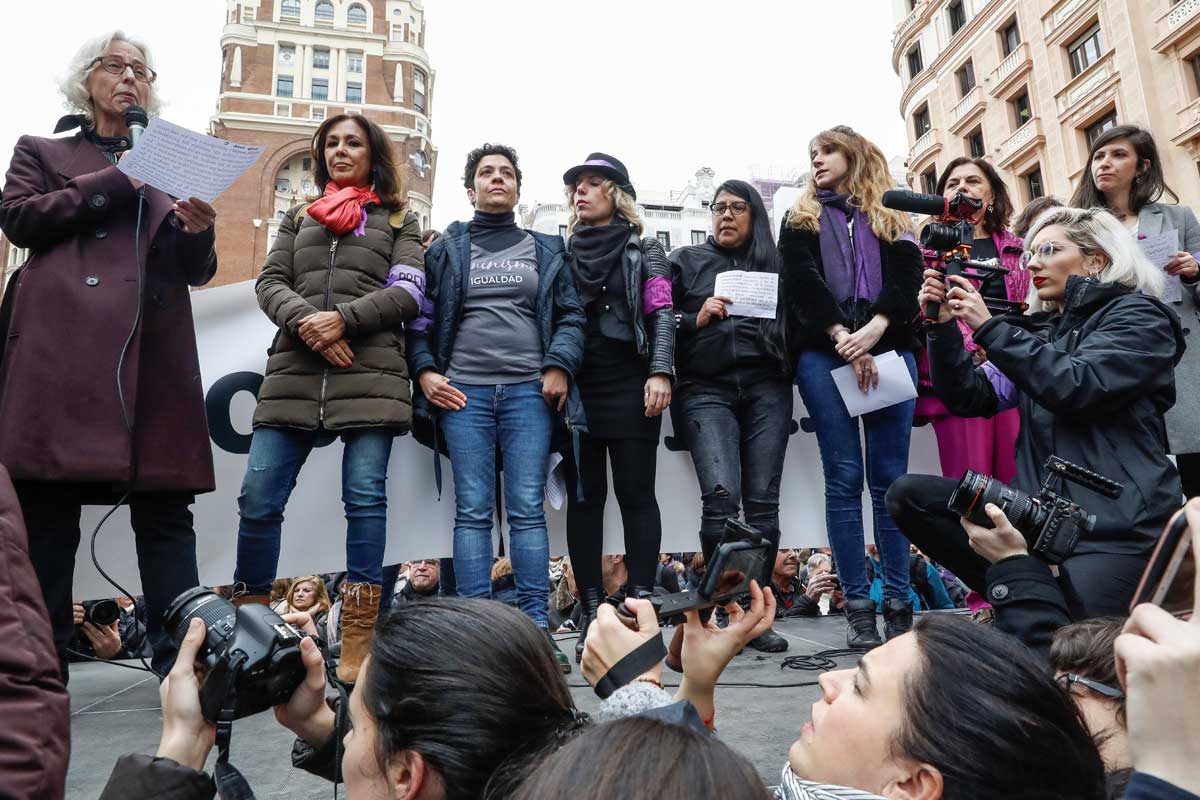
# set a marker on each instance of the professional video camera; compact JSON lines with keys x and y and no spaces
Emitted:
{"x":951,"y":235}
{"x":251,"y":657}
{"x":1051,"y":523}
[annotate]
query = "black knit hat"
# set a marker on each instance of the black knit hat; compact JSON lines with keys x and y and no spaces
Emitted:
{"x":605,"y":165}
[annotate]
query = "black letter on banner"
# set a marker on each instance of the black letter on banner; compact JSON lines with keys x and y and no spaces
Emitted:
{"x":216,"y":404}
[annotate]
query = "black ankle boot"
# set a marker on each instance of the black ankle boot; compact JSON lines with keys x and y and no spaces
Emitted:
{"x":861,"y":633}
{"x":591,"y":604}
{"x":897,"y":618}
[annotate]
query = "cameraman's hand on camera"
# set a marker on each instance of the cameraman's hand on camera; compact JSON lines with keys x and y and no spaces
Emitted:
{"x":106,"y":639}
{"x":708,"y":649}
{"x":610,"y":639}
{"x":302,"y":620}
{"x":187,"y":737}
{"x":998,"y":542}
{"x":77,"y":614}
{"x":859,"y":343}
{"x":1158,"y":664}
{"x":934,"y":291}
{"x":306,"y":713}
{"x":966,"y":303}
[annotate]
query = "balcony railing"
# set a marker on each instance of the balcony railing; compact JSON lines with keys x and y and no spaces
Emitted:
{"x":1014,"y":144}
{"x":1171,"y":26}
{"x":1181,"y":13}
{"x":905,"y":26}
{"x":927,"y":140}
{"x":969,"y":101}
{"x":1009,"y":65}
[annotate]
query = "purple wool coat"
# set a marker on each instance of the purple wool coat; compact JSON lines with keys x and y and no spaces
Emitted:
{"x":73,"y":306}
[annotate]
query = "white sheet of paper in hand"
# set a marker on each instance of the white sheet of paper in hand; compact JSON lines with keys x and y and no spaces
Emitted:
{"x":1160,"y":250}
{"x":556,"y":484}
{"x":895,"y":385}
{"x":754,"y":294}
{"x":186,"y":164}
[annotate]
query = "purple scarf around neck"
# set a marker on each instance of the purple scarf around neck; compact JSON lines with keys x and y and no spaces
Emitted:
{"x":850,"y":271}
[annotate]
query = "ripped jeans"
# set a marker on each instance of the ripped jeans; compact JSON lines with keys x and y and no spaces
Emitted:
{"x":738,"y":437}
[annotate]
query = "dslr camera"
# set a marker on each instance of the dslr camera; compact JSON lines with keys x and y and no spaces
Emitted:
{"x":250,"y":656}
{"x":1051,"y":524}
{"x":101,"y":613}
{"x":951,"y":235}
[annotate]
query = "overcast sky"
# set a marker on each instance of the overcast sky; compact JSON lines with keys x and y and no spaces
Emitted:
{"x":668,"y":86}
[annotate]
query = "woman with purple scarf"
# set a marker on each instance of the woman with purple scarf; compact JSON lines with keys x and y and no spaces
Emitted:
{"x":853,"y":269}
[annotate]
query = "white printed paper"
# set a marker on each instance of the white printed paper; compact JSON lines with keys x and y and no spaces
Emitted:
{"x":1160,"y":250}
{"x":895,"y":385}
{"x":185,"y":164}
{"x":556,"y":484}
{"x":754,"y":294}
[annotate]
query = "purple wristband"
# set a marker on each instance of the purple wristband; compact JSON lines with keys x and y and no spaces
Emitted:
{"x":412,"y":280}
{"x":656,"y":294}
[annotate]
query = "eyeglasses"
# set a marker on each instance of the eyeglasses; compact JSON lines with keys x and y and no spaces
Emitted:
{"x":1044,"y":251}
{"x":738,"y":208}
{"x":115,"y":65}
{"x":1067,"y":678}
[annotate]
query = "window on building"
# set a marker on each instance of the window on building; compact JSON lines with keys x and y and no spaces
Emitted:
{"x":562,"y":231}
{"x":317,"y":112}
{"x":1085,"y":51}
{"x":320,"y":58}
{"x":283,"y":86}
{"x":1022,"y":110}
{"x":1033,"y":184}
{"x":915,"y":65}
{"x":422,"y":128}
{"x":289,"y":10}
{"x":306,"y":164}
{"x":287,"y":54}
{"x":664,"y":238}
{"x":975,"y":145}
{"x":1010,"y":38}
{"x":966,"y":78}
{"x":419,"y":91}
{"x":922,"y":124}
{"x":1093,"y":131}
{"x":356,"y":15}
{"x":248,"y":13}
{"x":354,"y":62}
{"x":354,"y":93}
{"x":323,"y":13}
{"x":958,"y":16}
{"x":283,"y":185}
{"x":699,"y":237}
{"x":929,"y":180}
{"x":320,"y":89}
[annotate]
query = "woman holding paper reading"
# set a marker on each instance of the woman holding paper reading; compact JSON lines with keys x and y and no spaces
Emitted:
{"x":1091,"y":372}
{"x":100,"y":384}
{"x":344,"y":276}
{"x":624,"y":284}
{"x":1125,"y":175}
{"x":732,"y":376}
{"x":853,"y":268}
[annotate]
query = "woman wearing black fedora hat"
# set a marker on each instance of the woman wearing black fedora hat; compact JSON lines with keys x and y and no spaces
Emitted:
{"x":625,"y":380}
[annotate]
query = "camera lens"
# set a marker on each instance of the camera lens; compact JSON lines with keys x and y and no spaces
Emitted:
{"x":975,"y":491}
{"x":202,"y":602}
{"x":938,"y":236}
{"x":102,"y":613}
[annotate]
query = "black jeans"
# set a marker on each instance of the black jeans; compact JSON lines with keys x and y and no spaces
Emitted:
{"x":633,"y":469}
{"x":166,"y":550}
{"x":1095,"y":584}
{"x":738,"y":437}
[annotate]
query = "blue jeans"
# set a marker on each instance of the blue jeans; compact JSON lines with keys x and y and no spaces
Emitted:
{"x":888,"y":431}
{"x":276,"y":456}
{"x":738,"y":437}
{"x":517,"y":418}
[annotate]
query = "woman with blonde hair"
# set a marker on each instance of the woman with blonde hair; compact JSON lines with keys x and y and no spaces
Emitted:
{"x":853,"y":269}
{"x":1091,"y":370}
{"x":625,"y":381}
{"x":308,"y":593}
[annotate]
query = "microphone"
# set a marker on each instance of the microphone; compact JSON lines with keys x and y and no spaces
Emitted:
{"x":915,"y":203}
{"x":137,"y":120}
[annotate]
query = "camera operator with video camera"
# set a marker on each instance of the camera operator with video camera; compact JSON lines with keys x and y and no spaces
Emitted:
{"x":1091,"y":371}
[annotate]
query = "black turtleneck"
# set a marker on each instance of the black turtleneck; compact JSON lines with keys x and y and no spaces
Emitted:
{"x":495,"y":232}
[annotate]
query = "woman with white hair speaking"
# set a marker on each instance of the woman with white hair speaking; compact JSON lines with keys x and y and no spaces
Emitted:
{"x":100,"y":394}
{"x":1092,"y":372}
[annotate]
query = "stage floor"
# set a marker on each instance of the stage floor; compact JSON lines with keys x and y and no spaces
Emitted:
{"x":116,"y":711}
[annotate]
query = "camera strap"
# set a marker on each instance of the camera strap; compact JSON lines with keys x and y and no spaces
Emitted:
{"x":641,"y":659}
{"x":231,"y":784}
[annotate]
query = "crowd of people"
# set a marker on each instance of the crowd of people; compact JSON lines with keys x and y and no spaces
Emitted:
{"x":497,"y":346}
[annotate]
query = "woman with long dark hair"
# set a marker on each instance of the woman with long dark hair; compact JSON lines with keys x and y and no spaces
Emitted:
{"x":344,"y":275}
{"x":624,"y":285}
{"x":983,"y":444}
{"x":853,"y":270}
{"x":1124,"y":174}
{"x":732,"y":375}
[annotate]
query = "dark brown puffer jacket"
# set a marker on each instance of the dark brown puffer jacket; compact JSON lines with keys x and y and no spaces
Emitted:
{"x":310,"y":270}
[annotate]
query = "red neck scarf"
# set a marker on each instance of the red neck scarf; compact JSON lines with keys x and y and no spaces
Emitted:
{"x":341,"y":210}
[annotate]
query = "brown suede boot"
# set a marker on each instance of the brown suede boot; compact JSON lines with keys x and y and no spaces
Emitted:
{"x":261,"y":599}
{"x":360,"y":609}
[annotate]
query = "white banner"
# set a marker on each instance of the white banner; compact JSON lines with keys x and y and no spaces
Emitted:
{"x":233,"y":336}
